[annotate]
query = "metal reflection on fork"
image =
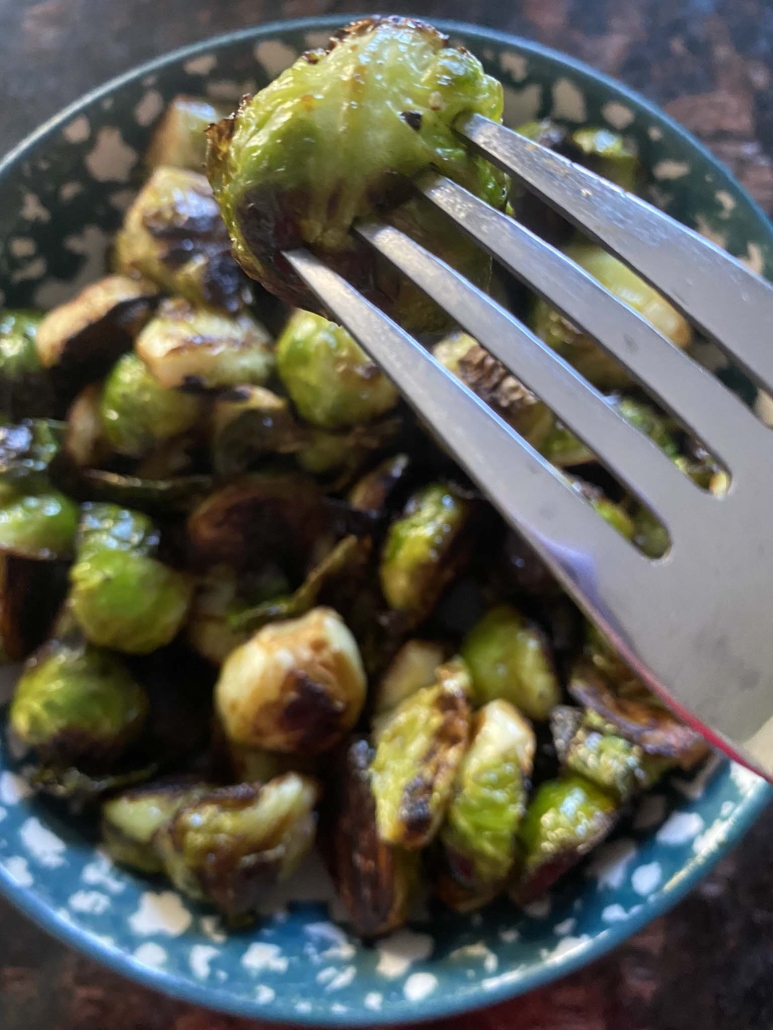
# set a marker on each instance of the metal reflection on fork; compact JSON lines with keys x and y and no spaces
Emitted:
{"x":694,"y":623}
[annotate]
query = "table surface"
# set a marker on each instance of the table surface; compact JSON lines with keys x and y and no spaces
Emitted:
{"x":708,"y":963}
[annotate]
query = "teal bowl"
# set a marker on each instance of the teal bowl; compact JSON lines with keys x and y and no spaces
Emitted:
{"x":63,"y":193}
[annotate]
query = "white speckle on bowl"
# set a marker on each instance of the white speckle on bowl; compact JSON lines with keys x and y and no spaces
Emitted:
{"x":121,"y":200}
{"x":418,"y":986}
{"x":13,"y":788}
{"x":3,"y":813}
{"x":91,"y":243}
{"x":90,"y":902}
{"x":646,"y":878}
{"x":230,"y":89}
{"x":111,"y":159}
{"x":33,"y":270}
{"x":610,"y":861}
{"x":655,"y":133}
{"x":539,"y":909}
{"x":212,"y":927}
{"x":99,"y":873}
{"x":614,"y":914}
{"x":202,"y":65}
{"x":17,"y":869}
{"x":315,"y":40}
{"x":342,"y":979}
{"x":78,"y":130}
{"x":479,"y":950}
{"x":374,"y":1001}
{"x":107,"y":103}
{"x":327,"y":974}
{"x":727,"y":808}
{"x":328,"y":933}
{"x":150,"y":954}
{"x":338,"y":1008}
{"x":149,"y":107}
{"x":275,"y":56}
{"x":651,"y":812}
{"x":566,"y":927}
{"x":160,"y":913}
{"x":514,"y":64}
{"x":680,"y":828}
{"x":669,"y":169}
{"x":301,"y":1006}
{"x":261,"y":957}
{"x":264,"y":995}
{"x":69,"y":190}
{"x":726,"y":200}
{"x":694,"y":788}
{"x":200,"y":958}
{"x":566,"y":946}
{"x":397,"y":952}
{"x":509,"y":936}
{"x":710,"y":232}
{"x":618,"y":115}
{"x":753,"y":259}
{"x":568,"y":101}
{"x":712,"y":838}
{"x":22,"y":246}
{"x":522,"y":105}
{"x":32,"y":210}
{"x":44,"y":846}
{"x":744,"y":778}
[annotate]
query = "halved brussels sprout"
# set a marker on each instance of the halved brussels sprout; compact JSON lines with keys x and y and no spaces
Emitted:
{"x":424,"y":548}
{"x":412,"y":668}
{"x":131,"y":821}
{"x":31,"y":592}
{"x":137,"y":413}
{"x":418,"y":753}
{"x":372,"y":493}
{"x":200,"y":349}
{"x":174,"y":235}
{"x":566,"y":819}
{"x":489,"y":801}
{"x":587,"y":357}
{"x":341,"y":132}
{"x":40,"y":525}
{"x":296,"y":686}
{"x":330,"y":379}
{"x":85,"y":442}
{"x":24,"y":386}
{"x":27,"y":451}
{"x":510,"y":658}
{"x":107,"y":526}
{"x":157,"y":495}
{"x":180,"y":138}
{"x":376,"y":882}
{"x":608,"y":154}
{"x":323,"y":453}
{"x":491,"y":381}
{"x":76,"y":704}
{"x":226,"y":847}
{"x":249,"y":422}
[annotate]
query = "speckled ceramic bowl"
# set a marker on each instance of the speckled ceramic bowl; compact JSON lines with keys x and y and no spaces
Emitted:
{"x":63,"y":194}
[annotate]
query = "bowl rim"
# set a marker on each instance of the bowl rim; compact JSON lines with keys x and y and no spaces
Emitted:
{"x":748,"y":810}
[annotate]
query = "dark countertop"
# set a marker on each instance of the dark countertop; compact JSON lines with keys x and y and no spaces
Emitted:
{"x":705,"y":966}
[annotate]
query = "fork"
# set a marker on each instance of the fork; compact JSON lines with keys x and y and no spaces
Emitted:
{"x":696,"y":624}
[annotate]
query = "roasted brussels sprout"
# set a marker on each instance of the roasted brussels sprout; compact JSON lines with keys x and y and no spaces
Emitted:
{"x":288,"y":170}
{"x":227,"y":846}
{"x":412,"y":668}
{"x":373,"y":492}
{"x":296,"y":686}
{"x":608,"y":154}
{"x":180,"y":138}
{"x":85,"y":443}
{"x":323,"y":453}
{"x":40,"y":525}
{"x":24,"y":386}
{"x":137,"y":413}
{"x":376,"y":882}
{"x":425,"y":548}
{"x":418,"y":753}
{"x":589,"y":359}
{"x":612,"y":513}
{"x":565,"y":820}
{"x":201,"y":349}
{"x":76,"y":704}
{"x":30,"y":595}
{"x":489,"y":800}
{"x":122,"y":596}
{"x":180,"y":493}
{"x":249,"y":422}
{"x":331,"y":381}
{"x":27,"y":451}
{"x":173,"y":235}
{"x":131,"y":821}
{"x":510,"y":658}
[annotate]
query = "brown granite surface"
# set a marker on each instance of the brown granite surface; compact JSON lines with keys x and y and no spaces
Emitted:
{"x":708,"y":965}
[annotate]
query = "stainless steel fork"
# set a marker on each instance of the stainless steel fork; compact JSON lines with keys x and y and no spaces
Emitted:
{"x":697,"y":624}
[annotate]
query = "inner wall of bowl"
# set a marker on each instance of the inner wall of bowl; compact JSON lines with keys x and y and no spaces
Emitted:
{"x":63,"y":198}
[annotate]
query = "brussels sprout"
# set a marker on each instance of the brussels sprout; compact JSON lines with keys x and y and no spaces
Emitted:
{"x":229,"y":845}
{"x":412,"y":668}
{"x":489,"y":800}
{"x":290,"y":171}
{"x":323,"y":453}
{"x":424,"y":549}
{"x":40,"y":525}
{"x":330,"y":380}
{"x":30,"y":595}
{"x":179,"y":140}
{"x":256,"y":765}
{"x":376,"y":882}
{"x":566,"y":819}
{"x":491,"y":381}
{"x":106,"y":526}
{"x":249,"y":422}
{"x":76,"y":704}
{"x":608,"y":154}
{"x":24,"y":386}
{"x":295,"y":686}
{"x":27,"y":450}
{"x":173,"y":235}
{"x":589,"y":359}
{"x":131,"y":821}
{"x":162,"y":495}
{"x":136,"y":412}
{"x":418,"y":754}
{"x":199,"y":349}
{"x":564,"y":449}
{"x":510,"y":658}
{"x":81,"y":790}
{"x":617,"y":517}
{"x":373,"y":492}
{"x":85,"y":443}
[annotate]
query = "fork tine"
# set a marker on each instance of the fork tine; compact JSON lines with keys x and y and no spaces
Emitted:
{"x":696,"y":398}
{"x":633,"y":457}
{"x":715,"y":291}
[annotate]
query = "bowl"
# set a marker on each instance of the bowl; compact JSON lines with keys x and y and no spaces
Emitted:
{"x":64,"y":191}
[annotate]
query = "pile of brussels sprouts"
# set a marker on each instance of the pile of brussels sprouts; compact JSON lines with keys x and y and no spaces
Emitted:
{"x":258,"y":604}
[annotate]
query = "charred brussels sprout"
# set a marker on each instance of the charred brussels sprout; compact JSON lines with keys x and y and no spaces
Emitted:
{"x":173,"y":235}
{"x":24,"y":386}
{"x":510,"y":658}
{"x":589,"y":359}
{"x":373,"y":492}
{"x":40,"y":525}
{"x":424,"y":548}
{"x":566,"y":819}
{"x":197,"y":348}
{"x":331,"y":381}
{"x":413,"y":667}
{"x":131,"y":821}
{"x":337,"y":134}
{"x":76,"y":704}
{"x":180,"y":139}
{"x":489,"y":800}
{"x":296,"y":686}
{"x":229,"y":845}
{"x":418,"y":753}
{"x":249,"y":422}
